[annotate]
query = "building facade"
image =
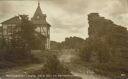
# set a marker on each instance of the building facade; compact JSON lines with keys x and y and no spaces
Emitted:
{"x":39,"y":20}
{"x":10,"y":27}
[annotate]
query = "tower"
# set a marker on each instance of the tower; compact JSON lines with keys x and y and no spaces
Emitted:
{"x":42,"y":26}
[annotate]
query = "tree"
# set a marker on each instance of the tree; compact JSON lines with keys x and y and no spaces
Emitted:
{"x":54,"y":67}
{"x":27,"y":31}
{"x":73,"y":43}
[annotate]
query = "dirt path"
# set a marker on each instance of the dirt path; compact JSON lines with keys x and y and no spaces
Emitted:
{"x":67,"y":56}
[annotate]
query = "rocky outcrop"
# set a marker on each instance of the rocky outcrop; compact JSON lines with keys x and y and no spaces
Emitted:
{"x":106,"y":46}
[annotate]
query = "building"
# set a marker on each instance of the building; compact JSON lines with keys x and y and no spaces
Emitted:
{"x":9,"y":27}
{"x":39,"y":19}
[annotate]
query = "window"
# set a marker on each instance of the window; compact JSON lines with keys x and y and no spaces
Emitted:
{"x":9,"y":29}
{"x":38,"y":17}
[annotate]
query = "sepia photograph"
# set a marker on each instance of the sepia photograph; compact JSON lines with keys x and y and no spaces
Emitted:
{"x":63,"y":39}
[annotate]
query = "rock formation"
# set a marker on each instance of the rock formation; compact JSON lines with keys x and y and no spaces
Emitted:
{"x":106,"y":46}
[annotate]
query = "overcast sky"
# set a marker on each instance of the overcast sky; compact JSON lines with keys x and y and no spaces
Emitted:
{"x":68,"y":17}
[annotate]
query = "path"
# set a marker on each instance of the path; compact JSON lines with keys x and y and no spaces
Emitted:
{"x":65,"y":57}
{"x":68,"y":55}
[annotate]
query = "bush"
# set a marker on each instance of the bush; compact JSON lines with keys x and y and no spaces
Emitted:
{"x":16,"y":57}
{"x":53,"y":67}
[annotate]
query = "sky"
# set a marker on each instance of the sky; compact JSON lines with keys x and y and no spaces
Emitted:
{"x":67,"y":17}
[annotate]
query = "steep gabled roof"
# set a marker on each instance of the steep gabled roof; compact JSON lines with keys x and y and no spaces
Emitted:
{"x":13,"y":20}
{"x":38,"y":13}
{"x":39,"y":17}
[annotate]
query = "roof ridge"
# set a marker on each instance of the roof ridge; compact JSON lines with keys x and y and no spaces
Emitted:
{"x":12,"y":20}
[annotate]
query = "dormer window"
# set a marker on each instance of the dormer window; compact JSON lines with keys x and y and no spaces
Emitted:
{"x":38,"y":17}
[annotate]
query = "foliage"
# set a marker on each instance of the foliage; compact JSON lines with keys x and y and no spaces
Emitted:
{"x":53,"y":67}
{"x":28,"y":38}
{"x":73,"y":43}
{"x":15,"y":57}
{"x":27,"y":31}
{"x":55,"y":45}
{"x":22,"y":42}
{"x":69,"y":43}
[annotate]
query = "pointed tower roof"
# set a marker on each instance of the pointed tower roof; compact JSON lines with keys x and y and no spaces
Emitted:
{"x":38,"y":11}
{"x":38,"y":17}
